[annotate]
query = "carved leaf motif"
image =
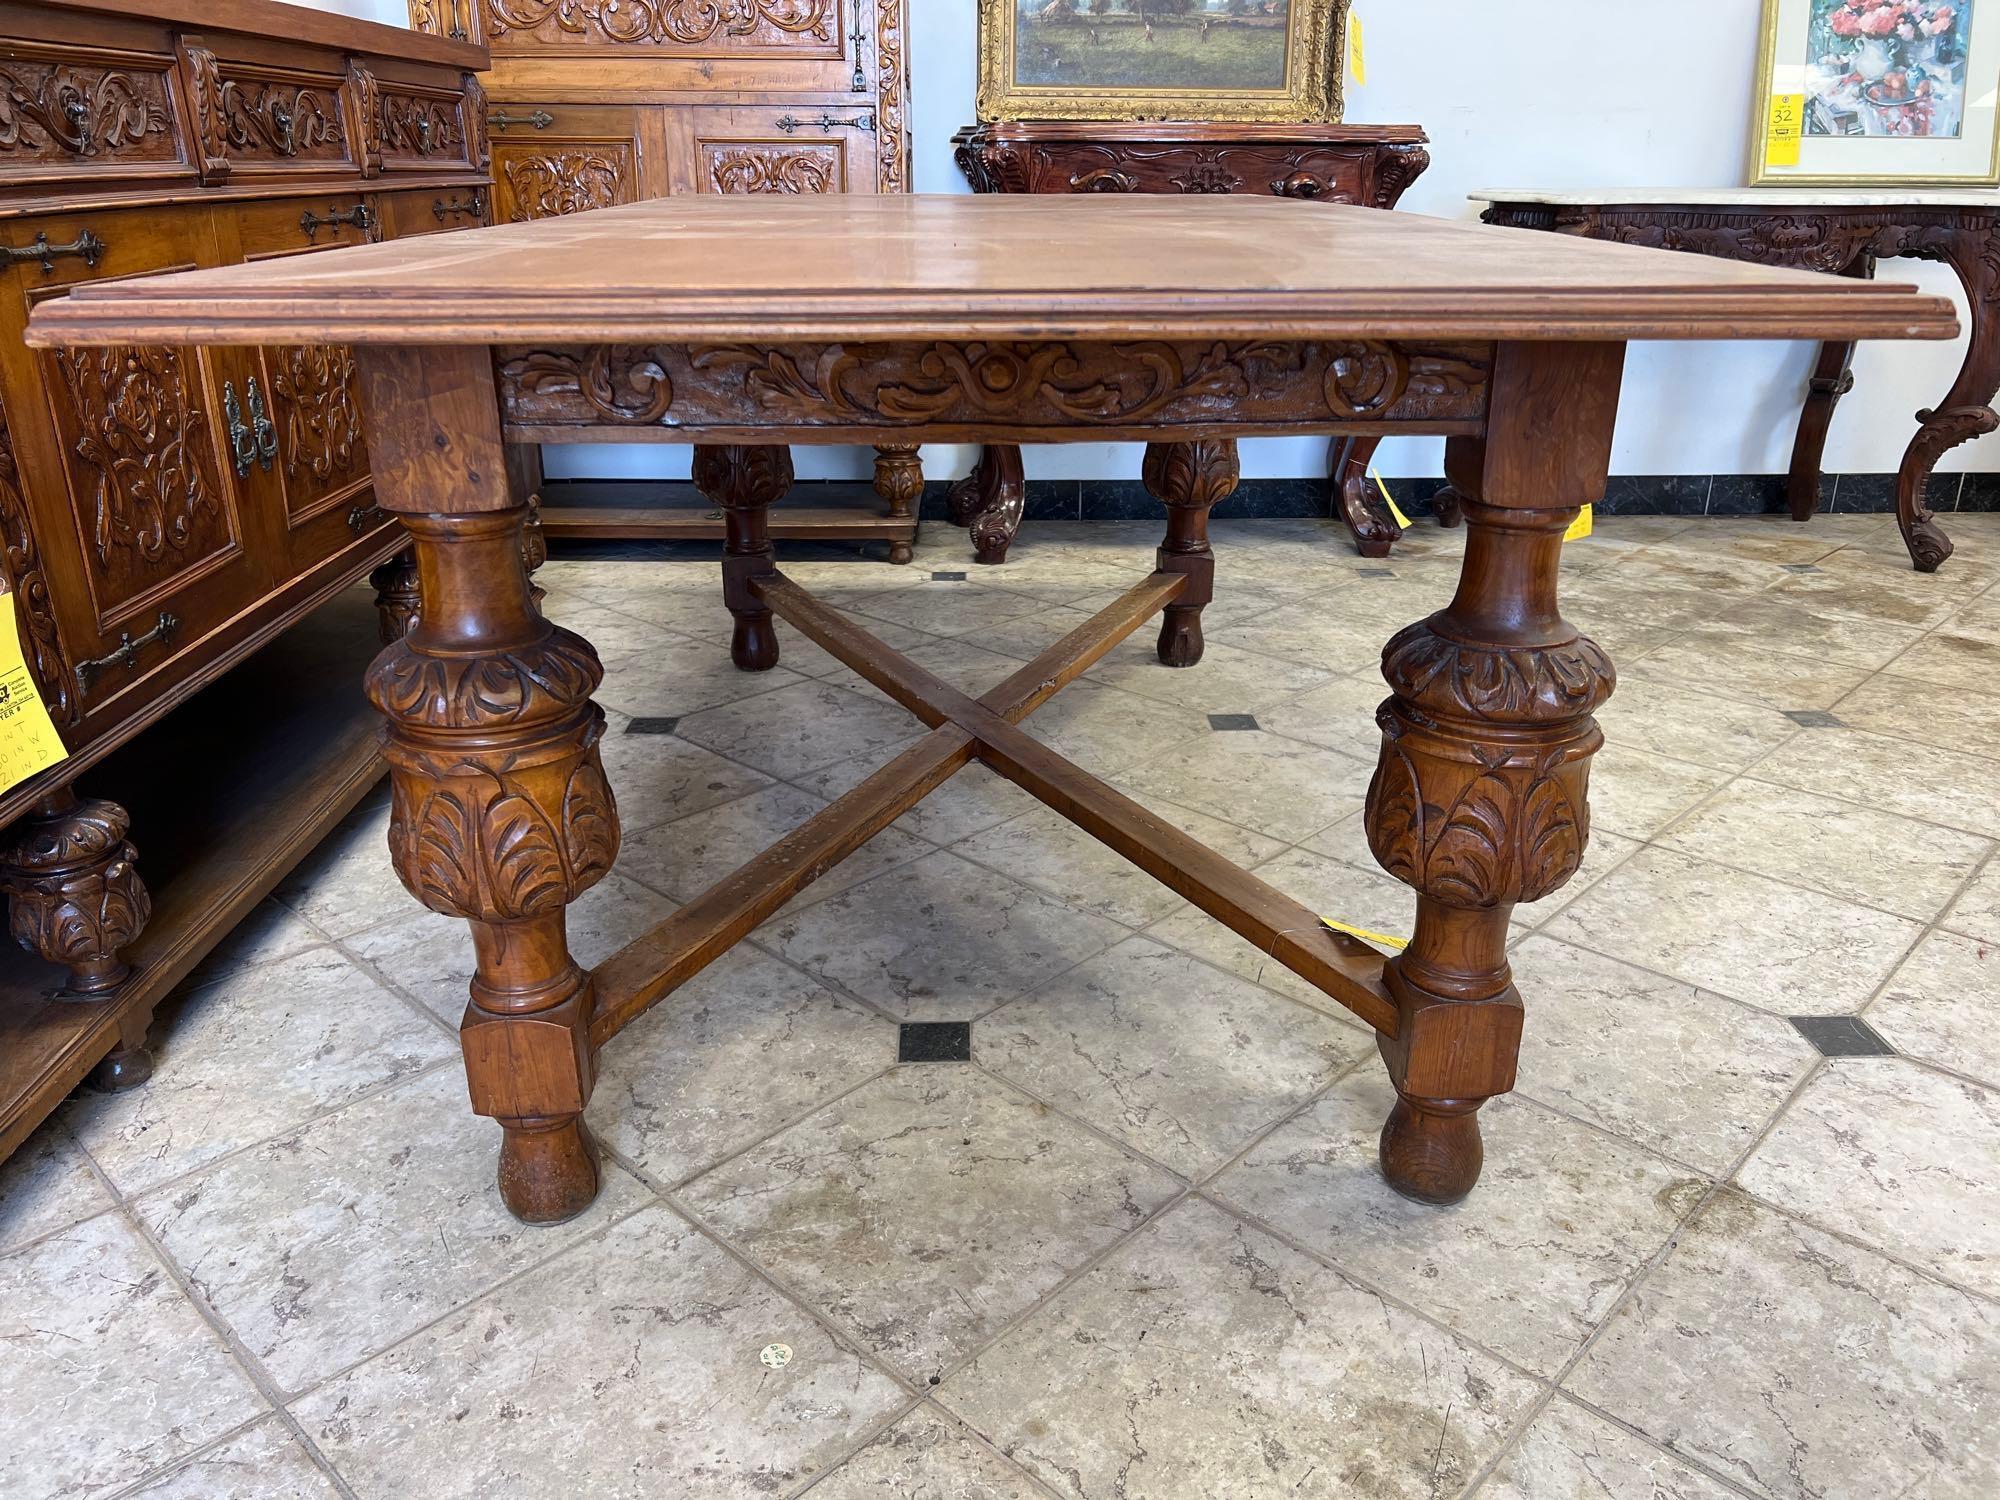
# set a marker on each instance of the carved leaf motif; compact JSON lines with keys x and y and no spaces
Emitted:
{"x":524,"y":865}
{"x":1554,"y":833}
{"x":421,"y":125}
{"x":1399,"y":167}
{"x":281,"y":118}
{"x":685,"y":22}
{"x":590,"y":823}
{"x":314,"y":387}
{"x":539,"y":682}
{"x":891,"y":106}
{"x":1199,"y":474}
{"x":562,"y":182}
{"x":621,"y":382}
{"x":433,"y":851}
{"x":806,"y":170}
{"x":78,"y":110}
{"x":1447,"y":677}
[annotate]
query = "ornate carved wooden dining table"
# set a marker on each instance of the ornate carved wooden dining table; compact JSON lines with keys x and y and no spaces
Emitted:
{"x":1185,"y":324}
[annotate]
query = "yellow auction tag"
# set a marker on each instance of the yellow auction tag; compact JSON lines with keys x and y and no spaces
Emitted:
{"x":28,"y":739}
{"x":1380,"y":939}
{"x":1784,"y":130}
{"x":1388,"y":499}
{"x":1357,"y":51}
{"x":1580,"y":527}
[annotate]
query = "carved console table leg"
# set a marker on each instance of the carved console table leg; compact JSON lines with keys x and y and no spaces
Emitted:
{"x":988,"y":502}
{"x":396,"y":595}
{"x":1189,"y":479}
{"x":1972,"y":249}
{"x":1355,"y":500}
{"x":500,"y":813}
{"x":899,"y":480}
{"x":1480,"y":798}
{"x":744,"y":482}
{"x":1832,"y":378}
{"x":75,"y":899}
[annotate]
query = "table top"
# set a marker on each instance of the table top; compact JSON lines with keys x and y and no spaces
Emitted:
{"x":1109,"y":268}
{"x":1740,"y":197}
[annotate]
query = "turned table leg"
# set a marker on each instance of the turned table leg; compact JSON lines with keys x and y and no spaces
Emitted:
{"x":1480,"y":797}
{"x":744,"y":482}
{"x":1189,"y":479}
{"x":1355,"y":500}
{"x":989,"y":501}
{"x":899,"y":480}
{"x":500,"y":813}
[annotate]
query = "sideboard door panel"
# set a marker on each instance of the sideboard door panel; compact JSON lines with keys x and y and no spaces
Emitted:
{"x":766,"y":149}
{"x":566,"y":158}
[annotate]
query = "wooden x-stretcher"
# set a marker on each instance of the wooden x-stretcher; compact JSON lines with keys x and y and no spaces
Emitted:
{"x":987,"y":729}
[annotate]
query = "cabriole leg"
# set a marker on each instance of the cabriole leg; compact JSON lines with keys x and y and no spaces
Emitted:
{"x":1355,"y":499}
{"x":501,"y":816}
{"x":990,"y":501}
{"x":1189,"y":479}
{"x":745,"y":482}
{"x":1480,"y":799}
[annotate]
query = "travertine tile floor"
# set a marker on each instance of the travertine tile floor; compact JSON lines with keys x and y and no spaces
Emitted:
{"x":1137,"y":1247}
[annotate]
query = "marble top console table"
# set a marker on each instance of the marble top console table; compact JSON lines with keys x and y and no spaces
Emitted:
{"x":1842,"y":234}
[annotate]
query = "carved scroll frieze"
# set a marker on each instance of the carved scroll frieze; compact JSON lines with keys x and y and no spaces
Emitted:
{"x":279,"y":118}
{"x":33,"y":606}
{"x":565,"y":180}
{"x":56,"y":109}
{"x":421,"y":125}
{"x":684,"y":23}
{"x":321,"y":417}
{"x":1051,"y":384}
{"x":773,"y":169}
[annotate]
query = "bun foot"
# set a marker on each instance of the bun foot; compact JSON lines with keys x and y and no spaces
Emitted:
{"x":1431,"y":1149}
{"x":753,"y":645}
{"x":1180,"y":638}
{"x":126,"y":1068}
{"x":548,"y":1170}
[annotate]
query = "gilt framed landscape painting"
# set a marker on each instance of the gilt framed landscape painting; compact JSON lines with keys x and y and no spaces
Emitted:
{"x":1864,"y":93}
{"x":1273,"y":60}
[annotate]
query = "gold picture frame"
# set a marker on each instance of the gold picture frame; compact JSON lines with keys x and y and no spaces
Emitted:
{"x":1878,"y":125}
{"x":1074,"y":39}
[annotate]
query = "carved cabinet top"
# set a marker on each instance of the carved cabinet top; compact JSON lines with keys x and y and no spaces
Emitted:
{"x":1097,"y":268}
{"x":1774,"y":198}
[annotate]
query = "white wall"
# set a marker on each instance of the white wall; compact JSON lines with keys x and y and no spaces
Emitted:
{"x":1508,"y":102}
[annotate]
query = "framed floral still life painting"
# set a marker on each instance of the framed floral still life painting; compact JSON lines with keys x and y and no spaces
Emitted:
{"x":1276,"y":60}
{"x":1859,"y":93}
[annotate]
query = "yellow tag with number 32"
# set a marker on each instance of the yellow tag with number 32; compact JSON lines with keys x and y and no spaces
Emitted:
{"x":1784,"y":130}
{"x":28,"y":740}
{"x":1357,"y":51}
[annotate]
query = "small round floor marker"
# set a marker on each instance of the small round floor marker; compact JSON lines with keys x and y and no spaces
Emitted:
{"x":777,"y":1356}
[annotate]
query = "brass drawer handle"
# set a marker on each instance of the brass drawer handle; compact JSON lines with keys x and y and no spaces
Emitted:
{"x":358,"y":216}
{"x":86,"y":247}
{"x":128,"y":647}
{"x":829,"y":123}
{"x":499,"y":119}
{"x":363,"y":516}
{"x":254,"y":442}
{"x":452,"y":208}
{"x":285,"y":126}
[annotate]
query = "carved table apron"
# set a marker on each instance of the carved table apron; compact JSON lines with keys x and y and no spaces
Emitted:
{"x":1182,"y":324}
{"x":1821,"y":232}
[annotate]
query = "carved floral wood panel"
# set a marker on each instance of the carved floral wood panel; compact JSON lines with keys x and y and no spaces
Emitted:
{"x":426,"y":126}
{"x":772,"y":169}
{"x":715,"y":27}
{"x":276,"y":119}
{"x":318,"y":415}
{"x":142,"y":461}
{"x":542,"y":181}
{"x":1031,"y":384}
{"x":51,"y":111}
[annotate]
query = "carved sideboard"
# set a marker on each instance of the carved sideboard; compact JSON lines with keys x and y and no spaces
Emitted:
{"x":1359,"y":164}
{"x":596,"y":103}
{"x":167,"y":511}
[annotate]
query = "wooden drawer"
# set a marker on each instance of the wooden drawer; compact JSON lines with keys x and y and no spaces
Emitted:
{"x":551,"y":159}
{"x":150,"y":538}
{"x":425,"y":127}
{"x":257,"y":118}
{"x":70,"y":112}
{"x":773,"y":149}
{"x":290,"y":225}
{"x":434,"y":210}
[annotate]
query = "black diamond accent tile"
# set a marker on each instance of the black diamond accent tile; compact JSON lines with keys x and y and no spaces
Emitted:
{"x":652,"y":726}
{"x":1842,"y":1036}
{"x":1815,"y":718}
{"x":1803,"y":568}
{"x":935,"y":1041}
{"x":1232,"y":721}
{"x":947,"y":578}
{"x":1374,"y":572}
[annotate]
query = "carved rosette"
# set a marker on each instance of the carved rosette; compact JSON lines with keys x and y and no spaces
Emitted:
{"x":74,"y":894}
{"x":1480,"y":797}
{"x":501,"y":811}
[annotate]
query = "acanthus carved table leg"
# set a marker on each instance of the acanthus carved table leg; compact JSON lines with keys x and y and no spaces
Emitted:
{"x":1480,"y":799}
{"x":75,"y":899}
{"x":1189,"y":479}
{"x":745,"y":482}
{"x":501,"y":816}
{"x":1355,"y":500}
{"x":989,"y":501}
{"x":396,"y":595}
{"x":899,"y":480}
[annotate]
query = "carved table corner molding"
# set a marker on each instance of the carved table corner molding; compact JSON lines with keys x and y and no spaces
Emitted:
{"x":1840,"y":234}
{"x":1367,"y":165}
{"x":1187,"y":324}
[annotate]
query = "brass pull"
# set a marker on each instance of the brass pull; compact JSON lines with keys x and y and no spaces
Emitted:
{"x":76,"y":110}
{"x":452,"y":208}
{"x":242,"y":441}
{"x":363,"y":516}
{"x":499,"y":119}
{"x":828,"y":124}
{"x":285,"y":127}
{"x":86,"y":247}
{"x":262,"y":432}
{"x":128,"y":647}
{"x":423,"y":135}
{"x":358,"y":216}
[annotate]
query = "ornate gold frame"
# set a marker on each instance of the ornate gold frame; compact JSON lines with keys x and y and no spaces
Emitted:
{"x":1762,"y":175}
{"x":1312,"y":95}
